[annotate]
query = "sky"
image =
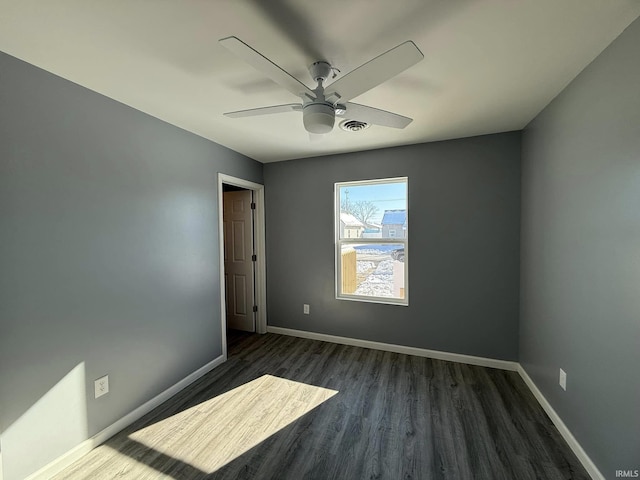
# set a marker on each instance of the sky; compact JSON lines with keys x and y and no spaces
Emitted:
{"x":387,"y":196}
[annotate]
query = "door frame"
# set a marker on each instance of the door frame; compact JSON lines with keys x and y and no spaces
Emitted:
{"x":260,"y":272}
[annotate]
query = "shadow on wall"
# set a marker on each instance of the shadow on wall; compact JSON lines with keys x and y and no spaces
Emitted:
{"x":53,"y":425}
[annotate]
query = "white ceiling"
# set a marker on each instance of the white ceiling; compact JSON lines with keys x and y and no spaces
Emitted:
{"x":490,"y":65}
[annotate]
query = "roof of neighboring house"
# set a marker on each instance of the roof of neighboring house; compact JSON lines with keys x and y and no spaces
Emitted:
{"x":350,"y":221}
{"x":394,"y":217}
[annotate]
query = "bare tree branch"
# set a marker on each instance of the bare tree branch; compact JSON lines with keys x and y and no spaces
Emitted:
{"x":363,"y":210}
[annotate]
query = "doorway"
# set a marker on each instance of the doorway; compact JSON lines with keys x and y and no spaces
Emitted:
{"x":239,"y":254}
{"x":241,"y":228}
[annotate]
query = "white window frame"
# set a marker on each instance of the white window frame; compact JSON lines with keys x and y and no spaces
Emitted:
{"x":339,"y":242}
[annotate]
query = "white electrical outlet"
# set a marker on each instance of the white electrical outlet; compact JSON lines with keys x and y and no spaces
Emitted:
{"x":305,"y":309}
{"x":101,"y":386}
{"x":563,"y":379}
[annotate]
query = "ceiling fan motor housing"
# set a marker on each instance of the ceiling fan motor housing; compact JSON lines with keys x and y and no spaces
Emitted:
{"x":318,"y":117}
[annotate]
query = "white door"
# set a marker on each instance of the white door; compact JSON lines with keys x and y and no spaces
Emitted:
{"x":238,"y":263}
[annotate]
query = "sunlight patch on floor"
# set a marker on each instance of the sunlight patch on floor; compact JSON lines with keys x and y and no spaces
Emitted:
{"x":215,"y":432}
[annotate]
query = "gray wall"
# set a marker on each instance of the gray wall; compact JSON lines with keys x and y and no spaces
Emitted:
{"x":109,"y":255}
{"x":464,"y":210}
{"x":580,"y":303}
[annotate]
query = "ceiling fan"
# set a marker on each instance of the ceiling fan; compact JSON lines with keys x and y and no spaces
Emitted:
{"x":321,"y":105}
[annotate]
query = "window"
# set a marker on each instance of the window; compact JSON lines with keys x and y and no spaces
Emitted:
{"x":371,"y":231}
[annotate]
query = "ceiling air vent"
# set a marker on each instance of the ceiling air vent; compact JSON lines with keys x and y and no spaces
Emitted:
{"x":353,"y":125}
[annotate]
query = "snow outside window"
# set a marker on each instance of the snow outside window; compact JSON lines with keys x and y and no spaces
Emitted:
{"x":372,"y":226}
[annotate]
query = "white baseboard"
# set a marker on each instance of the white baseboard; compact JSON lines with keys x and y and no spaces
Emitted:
{"x":85,"y":447}
{"x":390,"y":347}
{"x":76,"y":453}
{"x":587,"y":463}
{"x":589,"y":466}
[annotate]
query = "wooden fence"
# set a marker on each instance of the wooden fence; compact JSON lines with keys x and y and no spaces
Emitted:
{"x":349,"y":280}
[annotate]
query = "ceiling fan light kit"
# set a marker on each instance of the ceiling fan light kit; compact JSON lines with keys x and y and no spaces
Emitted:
{"x":318,"y":117}
{"x":320,"y":106}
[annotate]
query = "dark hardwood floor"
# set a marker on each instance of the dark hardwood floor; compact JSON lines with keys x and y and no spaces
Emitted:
{"x":290,"y":408}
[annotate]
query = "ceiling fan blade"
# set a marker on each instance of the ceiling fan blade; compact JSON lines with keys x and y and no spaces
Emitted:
{"x":252,"y":112}
{"x":266,"y":66}
{"x":375,"y":116}
{"x":374,"y":72}
{"x":302,"y":30}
